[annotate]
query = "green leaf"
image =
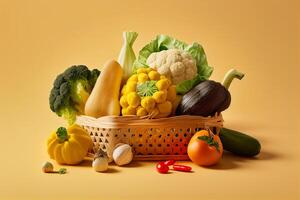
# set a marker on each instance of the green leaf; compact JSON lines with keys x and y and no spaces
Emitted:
{"x":164,"y":42}
{"x":187,"y":85}
{"x":146,"y":89}
{"x":210,"y":141}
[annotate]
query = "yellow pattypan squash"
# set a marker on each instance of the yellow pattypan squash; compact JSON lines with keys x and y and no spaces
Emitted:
{"x":69,"y":146}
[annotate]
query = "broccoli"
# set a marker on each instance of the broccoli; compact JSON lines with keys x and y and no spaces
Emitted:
{"x":71,"y":90}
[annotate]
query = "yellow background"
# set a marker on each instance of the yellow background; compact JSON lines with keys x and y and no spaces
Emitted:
{"x":39,"y":39}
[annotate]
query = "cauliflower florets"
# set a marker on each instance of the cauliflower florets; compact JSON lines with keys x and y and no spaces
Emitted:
{"x":175,"y":64}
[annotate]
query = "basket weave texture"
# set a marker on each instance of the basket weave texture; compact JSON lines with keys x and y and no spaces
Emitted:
{"x":150,"y":139}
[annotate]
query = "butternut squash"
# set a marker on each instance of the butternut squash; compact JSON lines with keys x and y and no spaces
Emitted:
{"x":104,"y":99}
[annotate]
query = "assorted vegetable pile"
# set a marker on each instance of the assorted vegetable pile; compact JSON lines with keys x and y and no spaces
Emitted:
{"x":167,"y":78}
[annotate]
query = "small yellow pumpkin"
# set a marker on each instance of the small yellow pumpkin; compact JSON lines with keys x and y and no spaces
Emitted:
{"x":69,"y":146}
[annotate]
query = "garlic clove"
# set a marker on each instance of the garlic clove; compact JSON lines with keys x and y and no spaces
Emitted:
{"x":122,"y":154}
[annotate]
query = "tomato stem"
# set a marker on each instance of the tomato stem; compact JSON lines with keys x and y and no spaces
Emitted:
{"x":210,"y":140}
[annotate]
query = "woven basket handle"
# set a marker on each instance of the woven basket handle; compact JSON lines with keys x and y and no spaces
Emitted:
{"x":211,"y":132}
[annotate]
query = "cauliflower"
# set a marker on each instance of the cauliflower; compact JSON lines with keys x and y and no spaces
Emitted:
{"x":175,"y":64}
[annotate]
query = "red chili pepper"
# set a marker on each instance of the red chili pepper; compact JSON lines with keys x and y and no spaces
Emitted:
{"x":169,"y":162}
{"x":162,"y":168}
{"x":182,"y":168}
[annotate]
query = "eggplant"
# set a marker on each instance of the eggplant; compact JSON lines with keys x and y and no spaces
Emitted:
{"x":208,"y":97}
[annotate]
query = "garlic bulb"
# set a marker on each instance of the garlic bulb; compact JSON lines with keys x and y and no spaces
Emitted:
{"x":122,"y":154}
{"x":100,"y":163}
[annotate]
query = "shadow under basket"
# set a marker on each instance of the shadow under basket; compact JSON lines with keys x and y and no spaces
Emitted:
{"x":150,"y":139}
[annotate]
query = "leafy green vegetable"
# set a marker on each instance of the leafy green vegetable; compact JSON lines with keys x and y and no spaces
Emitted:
{"x":71,"y":90}
{"x":127,"y":56}
{"x":164,"y":42}
{"x":147,"y":88}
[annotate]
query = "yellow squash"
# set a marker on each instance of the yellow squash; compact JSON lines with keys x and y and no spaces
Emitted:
{"x":104,"y":99}
{"x":69,"y":146}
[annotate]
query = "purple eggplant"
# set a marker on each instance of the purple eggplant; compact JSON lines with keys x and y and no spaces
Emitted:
{"x":208,"y":97}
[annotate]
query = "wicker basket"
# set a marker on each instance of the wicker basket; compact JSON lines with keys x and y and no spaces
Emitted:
{"x":151,"y":139}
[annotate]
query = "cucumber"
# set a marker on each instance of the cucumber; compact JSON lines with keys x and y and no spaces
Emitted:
{"x":239,"y":143}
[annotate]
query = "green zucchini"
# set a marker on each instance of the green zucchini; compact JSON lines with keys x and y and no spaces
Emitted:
{"x":239,"y":143}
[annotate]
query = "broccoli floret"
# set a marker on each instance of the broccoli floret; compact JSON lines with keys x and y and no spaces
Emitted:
{"x":71,"y":90}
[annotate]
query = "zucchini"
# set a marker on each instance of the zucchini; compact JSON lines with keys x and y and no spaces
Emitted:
{"x":239,"y":143}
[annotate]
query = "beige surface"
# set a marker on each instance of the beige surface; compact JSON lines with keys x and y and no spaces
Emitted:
{"x":39,"y":39}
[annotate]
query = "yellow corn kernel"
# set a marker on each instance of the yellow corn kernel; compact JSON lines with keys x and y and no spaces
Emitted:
{"x":140,"y":111}
{"x":154,"y":75}
{"x":171,"y":93}
{"x":148,"y":103}
{"x":160,"y":96}
{"x":165,"y":108}
{"x":162,"y":84}
{"x":133,"y":77}
{"x":130,"y":87}
{"x":123,"y":101}
{"x":141,"y":70}
{"x":142,"y":77}
{"x":133,"y":99}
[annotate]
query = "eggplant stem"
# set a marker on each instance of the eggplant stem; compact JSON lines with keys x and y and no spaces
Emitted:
{"x":230,"y":75}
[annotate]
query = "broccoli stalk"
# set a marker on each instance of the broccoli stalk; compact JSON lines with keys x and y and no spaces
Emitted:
{"x":71,"y":90}
{"x":68,"y":113}
{"x":80,"y":93}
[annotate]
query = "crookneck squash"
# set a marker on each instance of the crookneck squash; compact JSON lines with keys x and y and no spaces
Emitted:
{"x":69,"y":146}
{"x":208,"y":97}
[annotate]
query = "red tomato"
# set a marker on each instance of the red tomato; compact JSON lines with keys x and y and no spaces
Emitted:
{"x":162,"y":168}
{"x":205,"y":149}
